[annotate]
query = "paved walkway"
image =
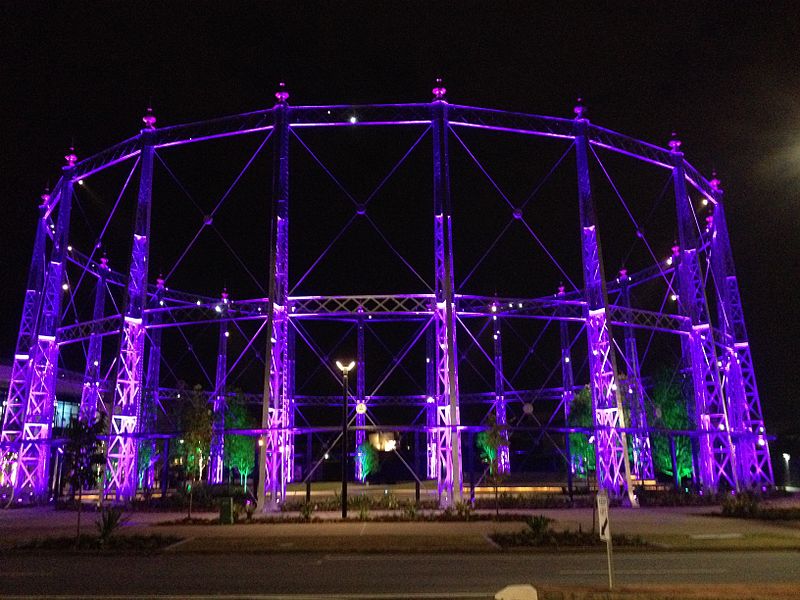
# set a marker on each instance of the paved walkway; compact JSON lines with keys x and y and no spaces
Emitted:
{"x":671,"y":528}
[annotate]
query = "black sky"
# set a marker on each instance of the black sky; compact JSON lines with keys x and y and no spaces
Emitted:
{"x":725,"y":79}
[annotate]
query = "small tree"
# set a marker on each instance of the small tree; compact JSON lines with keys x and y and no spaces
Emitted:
{"x":82,"y":456}
{"x":239,"y":449}
{"x":196,"y":439}
{"x":669,"y":412}
{"x":580,"y":415}
{"x":489,"y":443}
{"x":367,"y":456}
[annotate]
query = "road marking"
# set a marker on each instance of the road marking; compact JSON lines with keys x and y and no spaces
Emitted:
{"x":716,"y":536}
{"x":644,"y":571}
{"x":379,"y":596}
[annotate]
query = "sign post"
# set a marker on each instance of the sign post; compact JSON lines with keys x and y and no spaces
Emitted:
{"x":605,"y":531}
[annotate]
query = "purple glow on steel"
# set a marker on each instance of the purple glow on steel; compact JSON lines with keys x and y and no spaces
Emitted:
{"x":448,"y":439}
{"x":717,"y":454}
{"x":613,"y":468}
{"x":122,"y":453}
{"x":718,"y":353}
{"x":91,"y":394}
{"x":504,"y":458}
{"x":34,"y":453}
{"x":217,"y":449}
{"x":19,"y":382}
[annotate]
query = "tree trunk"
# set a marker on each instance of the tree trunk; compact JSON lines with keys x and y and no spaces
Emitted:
{"x":80,"y":506}
{"x":191,"y":493}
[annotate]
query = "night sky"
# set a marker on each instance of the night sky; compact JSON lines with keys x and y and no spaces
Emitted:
{"x":725,"y":80}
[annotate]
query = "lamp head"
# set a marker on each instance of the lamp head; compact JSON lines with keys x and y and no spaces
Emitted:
{"x":345,"y":368}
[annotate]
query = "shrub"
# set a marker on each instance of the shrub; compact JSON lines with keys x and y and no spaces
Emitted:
{"x":110,"y":520}
{"x":306,"y":511}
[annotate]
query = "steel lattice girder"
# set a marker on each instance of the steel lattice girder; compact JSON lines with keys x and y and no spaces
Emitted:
{"x":182,"y":309}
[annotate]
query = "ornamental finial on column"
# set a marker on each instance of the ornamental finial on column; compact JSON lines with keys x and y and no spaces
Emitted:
{"x":580,"y":109}
{"x":225,"y":295}
{"x":45,"y":197}
{"x":715,"y":183}
{"x":439,"y":91}
{"x":104,"y":263}
{"x":160,"y":281}
{"x":149,"y":119}
{"x":623,"y":274}
{"x":71,"y":158}
{"x":282,"y":95}
{"x":675,"y":143}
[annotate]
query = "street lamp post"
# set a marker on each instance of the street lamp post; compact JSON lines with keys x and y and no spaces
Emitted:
{"x":345,"y":369}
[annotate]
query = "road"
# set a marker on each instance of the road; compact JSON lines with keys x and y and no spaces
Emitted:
{"x":393,"y":575}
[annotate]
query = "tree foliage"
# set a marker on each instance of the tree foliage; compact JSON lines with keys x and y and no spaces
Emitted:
{"x":196,"y":426}
{"x":582,"y":450}
{"x":669,"y":412}
{"x":368,"y":458}
{"x":83,"y":457}
{"x":489,"y":443}
{"x":239,"y":449}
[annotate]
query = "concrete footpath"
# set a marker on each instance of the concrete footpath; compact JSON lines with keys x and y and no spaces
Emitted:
{"x":681,"y":528}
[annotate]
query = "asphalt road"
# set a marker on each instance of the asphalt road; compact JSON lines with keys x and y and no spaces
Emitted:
{"x":395,"y":576}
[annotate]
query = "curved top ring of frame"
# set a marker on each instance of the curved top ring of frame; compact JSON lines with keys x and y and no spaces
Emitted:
{"x":389,"y":115}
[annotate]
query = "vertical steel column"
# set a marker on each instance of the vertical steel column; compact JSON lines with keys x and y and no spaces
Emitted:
{"x":448,"y":441}
{"x":613,"y":466}
{"x":361,"y":391}
{"x":19,"y":383}
{"x":34,"y":457}
{"x":289,"y":449}
{"x":91,"y":395}
{"x":122,"y":455}
{"x":217,"y":446}
{"x":274,"y":414}
{"x":634,"y":393}
{"x":716,"y":451}
{"x":432,"y":454}
{"x":755,"y":466}
{"x":504,"y":459}
{"x":567,"y":380}
{"x":152,"y":381}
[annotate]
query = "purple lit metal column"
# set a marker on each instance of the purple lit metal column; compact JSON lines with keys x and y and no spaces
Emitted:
{"x":220,"y":398}
{"x":755,"y":466}
{"x":121,"y":465}
{"x":504,"y":461}
{"x":448,"y":439}
{"x":152,"y":381}
{"x":716,"y":451}
{"x":613,"y":467}
{"x":91,"y":394}
{"x":634,"y":393}
{"x":19,"y":384}
{"x":567,"y":380}
{"x":276,"y":405}
{"x":361,"y":391}
{"x":432,"y":463}
{"x":34,"y":457}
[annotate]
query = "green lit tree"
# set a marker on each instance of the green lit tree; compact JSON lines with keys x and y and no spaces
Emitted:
{"x":239,"y":449}
{"x":582,"y":450}
{"x":368,"y":457}
{"x":196,"y":441}
{"x":83,"y":458}
{"x":668,"y":411}
{"x":489,"y":442}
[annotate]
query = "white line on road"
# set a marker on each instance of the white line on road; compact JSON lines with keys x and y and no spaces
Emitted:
{"x":400,"y":596}
{"x":644,"y":571}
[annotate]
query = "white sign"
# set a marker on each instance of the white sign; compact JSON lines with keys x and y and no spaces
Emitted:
{"x":602,"y":515}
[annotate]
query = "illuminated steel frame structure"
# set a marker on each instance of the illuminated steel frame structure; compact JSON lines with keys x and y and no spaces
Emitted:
{"x":731,"y":449}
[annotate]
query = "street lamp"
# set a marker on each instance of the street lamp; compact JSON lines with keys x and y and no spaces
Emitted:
{"x":345,"y":369}
{"x":788,"y":477}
